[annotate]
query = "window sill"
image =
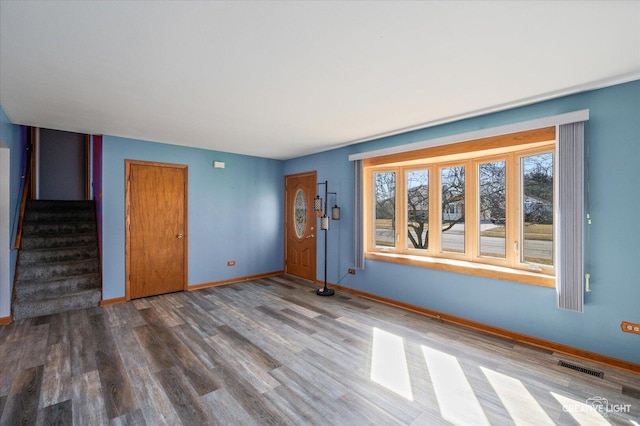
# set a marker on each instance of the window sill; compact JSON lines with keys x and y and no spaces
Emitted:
{"x":464,"y":267}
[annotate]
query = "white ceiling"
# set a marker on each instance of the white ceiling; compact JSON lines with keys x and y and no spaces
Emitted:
{"x":285,"y":79}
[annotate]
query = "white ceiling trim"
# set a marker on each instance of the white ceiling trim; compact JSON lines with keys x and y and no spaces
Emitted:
{"x":504,"y":107}
{"x":523,"y":126}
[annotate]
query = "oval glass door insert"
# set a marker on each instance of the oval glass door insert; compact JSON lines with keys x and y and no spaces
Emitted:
{"x":300,"y":213}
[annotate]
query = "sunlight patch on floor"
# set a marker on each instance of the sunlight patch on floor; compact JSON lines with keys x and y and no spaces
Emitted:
{"x":389,"y":363}
{"x":456,"y":399}
{"x":521,"y":405}
{"x":584,"y":414}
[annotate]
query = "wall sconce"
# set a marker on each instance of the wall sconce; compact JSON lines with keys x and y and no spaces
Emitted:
{"x":324,"y":225}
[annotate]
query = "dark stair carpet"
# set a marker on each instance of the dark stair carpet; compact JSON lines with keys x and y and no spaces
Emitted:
{"x":58,"y":263}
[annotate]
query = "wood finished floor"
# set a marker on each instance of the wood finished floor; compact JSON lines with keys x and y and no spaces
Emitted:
{"x":270,"y":351}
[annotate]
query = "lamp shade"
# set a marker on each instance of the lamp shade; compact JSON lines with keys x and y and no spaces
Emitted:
{"x":317,"y":204}
{"x":324,"y":223}
{"x":335,"y":212}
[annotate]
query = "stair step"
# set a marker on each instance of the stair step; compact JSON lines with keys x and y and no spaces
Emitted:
{"x":81,"y":299}
{"x":57,"y":228}
{"x":60,"y":254}
{"x":59,"y":215}
{"x":58,"y":241}
{"x":75,"y":205}
{"x":41,"y":289}
{"x":52,"y":270}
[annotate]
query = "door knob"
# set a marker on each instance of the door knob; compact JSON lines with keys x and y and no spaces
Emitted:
{"x":180,"y":236}
{"x":310,"y":236}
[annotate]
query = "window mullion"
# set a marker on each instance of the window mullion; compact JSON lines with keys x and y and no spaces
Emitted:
{"x":513,"y":203}
{"x":434,"y":181}
{"x":472,"y":217}
{"x":435,"y":214}
{"x":398,"y":208}
{"x":401,"y":210}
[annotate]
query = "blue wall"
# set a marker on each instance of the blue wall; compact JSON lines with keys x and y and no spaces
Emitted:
{"x":12,"y":136}
{"x":235,"y":213}
{"x":614,"y":133}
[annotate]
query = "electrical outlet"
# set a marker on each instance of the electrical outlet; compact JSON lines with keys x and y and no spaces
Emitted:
{"x":231,"y":263}
{"x":630,"y":327}
{"x":352,"y":271}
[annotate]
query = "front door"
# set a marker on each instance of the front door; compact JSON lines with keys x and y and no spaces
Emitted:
{"x":300,"y":225}
{"x":156,"y":228}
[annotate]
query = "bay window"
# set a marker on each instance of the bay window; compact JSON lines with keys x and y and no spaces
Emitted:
{"x":486,"y":205}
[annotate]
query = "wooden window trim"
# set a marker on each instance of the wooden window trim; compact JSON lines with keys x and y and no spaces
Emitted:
{"x":465,"y":267}
{"x":469,"y":147}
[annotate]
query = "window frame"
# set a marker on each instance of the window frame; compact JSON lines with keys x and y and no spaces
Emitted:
{"x":372,"y":211}
{"x":522,"y":264}
{"x":510,"y":206}
{"x":405,"y":201}
{"x":437,"y":243}
{"x":471,"y":154}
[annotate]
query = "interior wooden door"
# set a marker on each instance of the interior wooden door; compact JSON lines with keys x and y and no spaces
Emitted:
{"x":156,"y":228}
{"x":300,"y":225}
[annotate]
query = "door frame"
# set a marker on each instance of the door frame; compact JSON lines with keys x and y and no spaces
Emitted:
{"x":127,"y":223}
{"x":313,"y":173}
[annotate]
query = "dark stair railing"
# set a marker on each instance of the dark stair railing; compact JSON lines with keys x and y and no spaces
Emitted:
{"x":24,"y":196}
{"x":26,"y":187}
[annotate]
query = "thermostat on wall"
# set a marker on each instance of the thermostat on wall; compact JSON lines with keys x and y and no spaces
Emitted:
{"x":218,"y":164}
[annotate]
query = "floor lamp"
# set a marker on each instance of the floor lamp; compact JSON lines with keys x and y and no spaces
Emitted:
{"x":324,"y":225}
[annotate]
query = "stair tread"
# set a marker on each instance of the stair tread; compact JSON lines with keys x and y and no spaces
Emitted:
{"x":35,"y":221}
{"x":39,"y":289}
{"x":64,"y":261}
{"x":91,"y":246}
{"x":75,"y":234}
{"x":79,"y":226}
{"x":60,"y":296}
{"x":35,"y":282}
{"x":52,"y":258}
{"x":60,"y":203}
{"x":55,"y":304}
{"x":52,"y":244}
{"x":40,"y":297}
{"x":67,"y":248}
{"x":69,"y":262}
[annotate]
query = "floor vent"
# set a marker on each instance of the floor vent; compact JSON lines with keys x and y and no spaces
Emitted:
{"x":584,"y":370}
{"x":632,"y":392}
